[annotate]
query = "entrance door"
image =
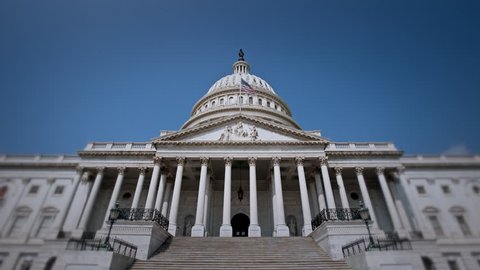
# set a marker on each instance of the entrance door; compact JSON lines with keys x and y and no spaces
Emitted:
{"x":240,"y":224}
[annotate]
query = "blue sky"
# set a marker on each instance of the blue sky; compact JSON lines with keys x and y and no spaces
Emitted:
{"x":72,"y":72}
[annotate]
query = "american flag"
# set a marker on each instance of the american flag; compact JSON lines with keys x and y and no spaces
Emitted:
{"x":244,"y":86}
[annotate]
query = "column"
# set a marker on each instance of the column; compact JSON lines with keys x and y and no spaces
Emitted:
{"x":397,"y":225}
{"x":161,"y":190}
{"x":226,"y":228}
{"x":91,"y":199}
{"x":254,"y":229}
{"x":274,"y":204}
{"x":365,"y":196}
{"x":166,"y":198}
{"x":313,"y":196}
{"x":326,"y":183}
{"x":341,"y":188}
{"x":70,"y":214}
{"x":153,"y":183}
{"x":172,"y":218}
{"x":116,"y":191}
{"x":139,"y":187}
{"x":307,"y":217}
{"x":198,"y":230}
{"x":321,"y":196}
{"x":207,"y":200}
{"x":281,"y":229}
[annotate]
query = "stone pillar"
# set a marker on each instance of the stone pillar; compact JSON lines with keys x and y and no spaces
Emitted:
{"x":153,"y":183}
{"x":161,"y":190}
{"x":166,"y":199}
{"x":341,"y":188}
{"x":226,"y":228}
{"x":397,"y":225}
{"x":326,"y":183}
{"x":274,"y":205}
{"x":207,"y":201}
{"x":281,"y":229}
{"x":63,"y":215}
{"x":307,"y":218}
{"x":116,"y":191}
{"x":254,"y":229}
{"x":172,"y":218}
{"x":321,"y":196}
{"x":313,"y":196}
{"x":365,"y":196}
{"x":198,"y":230}
{"x":139,"y":187}
{"x":91,"y":199}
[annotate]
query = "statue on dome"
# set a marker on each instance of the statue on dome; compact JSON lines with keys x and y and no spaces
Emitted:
{"x":240,"y":55}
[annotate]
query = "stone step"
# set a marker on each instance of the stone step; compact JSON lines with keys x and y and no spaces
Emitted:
{"x":240,"y":253}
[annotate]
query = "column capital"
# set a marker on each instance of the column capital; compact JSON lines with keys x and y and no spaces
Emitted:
{"x":204,"y":161}
{"x":181,"y":161}
{"x":157,"y":160}
{"x":121,"y":170}
{"x":359,"y":170}
{"x":100,"y":170}
{"x":299,"y":161}
{"x":276,"y":161}
{"x":252,"y":161}
{"x":85,"y":177}
{"x":79,"y":169}
{"x":380,"y":170}
{"x":228,"y":161}
{"x":338,"y":170}
{"x":143,"y":170}
{"x":323,"y":161}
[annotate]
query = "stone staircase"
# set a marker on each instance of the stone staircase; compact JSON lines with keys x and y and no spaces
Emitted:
{"x":240,"y":253}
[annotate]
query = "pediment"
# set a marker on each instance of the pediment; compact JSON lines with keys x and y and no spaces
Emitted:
{"x":241,"y":129}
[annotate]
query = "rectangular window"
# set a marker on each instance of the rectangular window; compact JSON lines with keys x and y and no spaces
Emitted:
{"x":44,"y":226}
{"x":421,"y":190}
{"x":453,"y":265}
{"x":17,"y":225}
{"x":59,"y":190}
{"x":260,"y":101}
{"x":446,"y":189}
{"x":436,"y":225}
{"x":463,"y":225}
{"x":33,"y":189}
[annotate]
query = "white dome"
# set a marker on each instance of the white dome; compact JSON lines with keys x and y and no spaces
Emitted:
{"x":233,"y":81}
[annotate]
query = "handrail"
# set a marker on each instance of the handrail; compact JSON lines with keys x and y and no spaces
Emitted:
{"x":143,"y":214}
{"x":379,"y":244}
{"x":335,"y":214}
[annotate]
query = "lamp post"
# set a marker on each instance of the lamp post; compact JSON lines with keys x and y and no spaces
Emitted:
{"x":365,"y":215}
{"x":114,"y":213}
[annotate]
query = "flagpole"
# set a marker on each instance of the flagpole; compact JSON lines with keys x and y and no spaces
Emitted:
{"x":240,"y":94}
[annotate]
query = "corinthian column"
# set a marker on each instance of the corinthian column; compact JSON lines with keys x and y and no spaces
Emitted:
{"x":226,"y":228}
{"x":198,"y":230}
{"x":365,"y":196}
{"x":282,"y":229}
{"x":326,"y":183}
{"x":341,"y":188}
{"x":172,"y":218}
{"x":139,"y":187}
{"x":392,"y":210}
{"x":307,"y":217}
{"x":116,"y":191}
{"x":253,"y":229}
{"x":153,"y":183}
{"x":91,"y":199}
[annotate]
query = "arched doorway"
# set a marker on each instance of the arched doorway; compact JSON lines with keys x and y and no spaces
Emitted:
{"x":240,"y":224}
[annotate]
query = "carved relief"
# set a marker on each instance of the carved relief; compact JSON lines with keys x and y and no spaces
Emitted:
{"x":239,"y":132}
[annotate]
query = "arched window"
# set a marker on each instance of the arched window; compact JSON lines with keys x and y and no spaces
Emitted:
{"x":213,"y":103}
{"x":250,"y":100}
{"x":231,"y":100}
{"x":260,"y":102}
{"x":458,"y":213}
{"x":222,"y":101}
{"x":241,"y":100}
{"x":432,"y":216}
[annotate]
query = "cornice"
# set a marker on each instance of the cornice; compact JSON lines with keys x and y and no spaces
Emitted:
{"x":364,"y":153}
{"x":283,"y":129}
{"x":240,"y":143}
{"x":150,"y":153}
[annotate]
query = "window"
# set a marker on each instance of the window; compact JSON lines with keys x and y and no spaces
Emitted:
{"x":260,"y":101}
{"x":241,"y":99}
{"x":231,"y":100}
{"x":446,"y":189}
{"x":421,"y":190}
{"x":59,"y":190}
{"x":222,"y":101}
{"x":45,"y":223}
{"x":213,"y":103}
{"x":428,"y":263}
{"x":437,"y":228}
{"x":268,"y":103}
{"x":33,"y":189}
{"x":250,"y":100}
{"x":463,"y":225}
{"x":476,"y":189}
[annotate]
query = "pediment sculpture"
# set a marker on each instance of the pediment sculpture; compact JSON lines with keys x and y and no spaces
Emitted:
{"x":239,"y":132}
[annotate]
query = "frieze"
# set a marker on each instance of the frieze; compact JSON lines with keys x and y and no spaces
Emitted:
{"x":239,"y":132}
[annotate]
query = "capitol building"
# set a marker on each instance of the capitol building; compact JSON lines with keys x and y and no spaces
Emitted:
{"x":239,"y":185}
